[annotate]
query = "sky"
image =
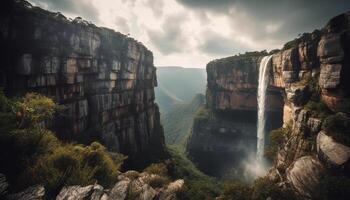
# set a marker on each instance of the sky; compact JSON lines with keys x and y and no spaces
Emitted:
{"x":190,"y":33}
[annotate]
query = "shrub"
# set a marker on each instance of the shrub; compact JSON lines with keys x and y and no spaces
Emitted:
{"x":277,"y":138}
{"x":34,"y":108}
{"x":338,"y":126}
{"x":197,"y":185}
{"x":343,"y":106}
{"x":264,"y":188}
{"x":30,"y":154}
{"x":73,"y":164}
{"x":158,"y":169}
{"x":156,"y":181}
{"x":318,"y":109}
{"x":132,"y":175}
{"x":202,"y":114}
{"x":233,"y":190}
{"x":333,"y":187}
{"x":198,"y":190}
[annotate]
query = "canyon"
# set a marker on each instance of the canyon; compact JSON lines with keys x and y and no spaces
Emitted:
{"x":104,"y":83}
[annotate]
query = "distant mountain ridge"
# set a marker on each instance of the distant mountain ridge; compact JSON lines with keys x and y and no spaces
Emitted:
{"x":178,"y":85}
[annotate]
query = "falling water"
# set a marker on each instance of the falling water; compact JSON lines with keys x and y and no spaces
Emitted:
{"x":263,"y":82}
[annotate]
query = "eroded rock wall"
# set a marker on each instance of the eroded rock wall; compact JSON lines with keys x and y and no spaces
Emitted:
{"x":316,"y":83}
{"x":310,"y":81}
{"x":103,"y":78}
{"x":222,"y":141}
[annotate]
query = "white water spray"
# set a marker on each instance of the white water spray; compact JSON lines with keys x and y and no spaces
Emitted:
{"x":262,"y":87}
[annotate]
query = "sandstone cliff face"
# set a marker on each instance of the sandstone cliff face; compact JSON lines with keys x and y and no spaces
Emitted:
{"x":103,"y":78}
{"x":316,"y":72}
{"x":232,"y":84}
{"x":221,"y":142}
{"x":309,"y":82}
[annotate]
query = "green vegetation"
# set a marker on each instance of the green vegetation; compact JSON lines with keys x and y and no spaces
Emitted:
{"x":203,"y":113}
{"x":343,"y":106}
{"x":318,"y":109}
{"x":157,"y":181}
{"x":198,"y":186}
{"x":30,"y":154}
{"x":178,"y":85}
{"x":233,"y":190}
{"x":338,"y":126}
{"x":277,"y":138}
{"x":157,"y":168}
{"x":333,"y":187}
{"x":264,"y":188}
{"x":178,"y":121}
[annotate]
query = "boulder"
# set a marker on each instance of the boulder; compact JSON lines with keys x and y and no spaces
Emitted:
{"x":32,"y":193}
{"x":76,"y":192}
{"x":120,"y":190}
{"x":334,"y":154}
{"x":304,"y":174}
{"x":170,"y":192}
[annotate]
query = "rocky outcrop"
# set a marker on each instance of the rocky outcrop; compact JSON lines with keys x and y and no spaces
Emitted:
{"x":31,"y":193}
{"x":309,"y":84}
{"x":130,"y":185}
{"x":125,"y":188}
{"x":334,"y":154}
{"x":304,"y":175}
{"x":318,"y":89}
{"x":103,"y":78}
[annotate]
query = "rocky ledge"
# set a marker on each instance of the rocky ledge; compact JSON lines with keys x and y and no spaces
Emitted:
{"x":130,"y":185}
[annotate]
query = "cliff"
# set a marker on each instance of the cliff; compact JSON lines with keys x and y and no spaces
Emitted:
{"x":104,"y":79}
{"x":310,"y":90}
{"x":313,"y":74}
{"x":223,"y":138}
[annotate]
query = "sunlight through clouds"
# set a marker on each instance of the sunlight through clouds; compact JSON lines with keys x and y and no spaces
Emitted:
{"x":190,"y":33}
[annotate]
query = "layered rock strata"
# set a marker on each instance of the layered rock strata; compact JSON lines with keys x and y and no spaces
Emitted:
{"x":313,"y":74}
{"x":104,"y":79}
{"x":310,"y":75}
{"x":223,"y":140}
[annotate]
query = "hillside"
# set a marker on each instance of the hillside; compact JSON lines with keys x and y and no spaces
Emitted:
{"x":178,"y":85}
{"x":178,"y":121}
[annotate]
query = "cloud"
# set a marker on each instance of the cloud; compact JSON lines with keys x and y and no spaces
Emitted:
{"x":171,"y":39}
{"x":156,"y":6}
{"x":82,"y":8}
{"x":216,"y":44}
{"x":122,"y":24}
{"x":208,"y":4}
{"x":193,"y":32}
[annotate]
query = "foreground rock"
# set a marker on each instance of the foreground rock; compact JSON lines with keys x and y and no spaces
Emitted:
{"x":334,"y":154}
{"x":304,"y":175}
{"x":31,"y":193}
{"x":126,"y":188}
{"x":130,"y":185}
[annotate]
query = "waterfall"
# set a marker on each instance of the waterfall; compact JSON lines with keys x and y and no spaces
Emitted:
{"x":262,"y":87}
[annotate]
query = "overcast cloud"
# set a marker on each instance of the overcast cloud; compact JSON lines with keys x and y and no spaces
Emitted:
{"x":190,"y":33}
